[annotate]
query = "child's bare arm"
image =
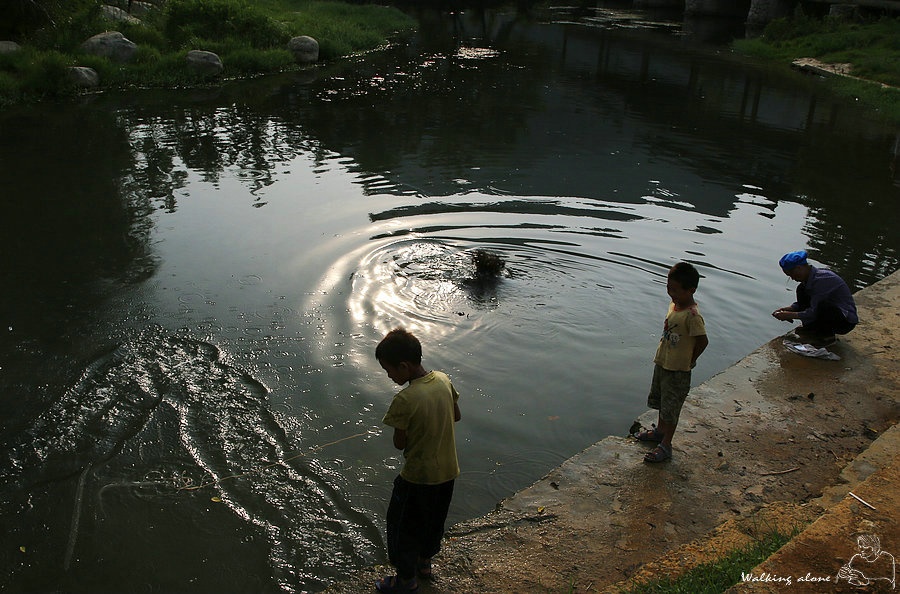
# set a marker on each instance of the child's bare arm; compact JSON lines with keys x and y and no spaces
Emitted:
{"x":700,"y":344}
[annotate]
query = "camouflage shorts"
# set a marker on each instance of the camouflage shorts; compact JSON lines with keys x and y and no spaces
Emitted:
{"x":668,"y":391}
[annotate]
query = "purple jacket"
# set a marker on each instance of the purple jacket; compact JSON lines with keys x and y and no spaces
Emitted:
{"x":826,"y":288}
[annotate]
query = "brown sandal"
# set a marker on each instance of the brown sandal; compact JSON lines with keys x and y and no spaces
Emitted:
{"x":653,"y":434}
{"x":660,"y":453}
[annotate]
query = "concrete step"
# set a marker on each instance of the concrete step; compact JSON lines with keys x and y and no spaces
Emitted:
{"x":865,"y":501}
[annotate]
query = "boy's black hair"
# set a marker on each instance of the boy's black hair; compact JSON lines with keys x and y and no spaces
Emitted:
{"x":399,"y":346}
{"x":685,"y":275}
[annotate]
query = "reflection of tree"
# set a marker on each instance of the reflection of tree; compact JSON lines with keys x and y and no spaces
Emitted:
{"x":208,"y":140}
{"x":66,"y":222}
{"x":442,"y":111}
{"x":853,"y":233}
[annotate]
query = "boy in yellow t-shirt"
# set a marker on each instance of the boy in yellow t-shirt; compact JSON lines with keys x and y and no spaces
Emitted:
{"x":682,"y":342}
{"x":423,"y":416}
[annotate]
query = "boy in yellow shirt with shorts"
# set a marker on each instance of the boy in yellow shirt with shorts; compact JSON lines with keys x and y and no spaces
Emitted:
{"x":683,"y":340}
{"x":423,"y":416}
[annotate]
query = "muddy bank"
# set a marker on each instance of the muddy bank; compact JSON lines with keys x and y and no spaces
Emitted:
{"x":770,"y":435}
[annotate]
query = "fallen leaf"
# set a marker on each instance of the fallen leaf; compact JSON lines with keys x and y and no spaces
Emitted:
{"x":216,"y":499}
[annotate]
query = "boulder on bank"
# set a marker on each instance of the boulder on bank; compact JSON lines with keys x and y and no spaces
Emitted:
{"x":304,"y":48}
{"x":116,"y":14}
{"x":205,"y":63}
{"x":9,"y":47}
{"x":83,"y":77}
{"x":112,"y":45}
{"x":140,"y":9}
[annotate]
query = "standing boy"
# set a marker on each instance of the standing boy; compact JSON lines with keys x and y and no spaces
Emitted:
{"x":682,"y":341}
{"x":423,"y":416}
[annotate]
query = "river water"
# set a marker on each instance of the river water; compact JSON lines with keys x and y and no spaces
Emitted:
{"x":194,"y":281}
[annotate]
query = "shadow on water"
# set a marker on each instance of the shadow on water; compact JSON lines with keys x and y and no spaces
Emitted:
{"x":196,"y":279}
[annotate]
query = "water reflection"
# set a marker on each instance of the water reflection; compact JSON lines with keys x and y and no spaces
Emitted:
{"x":197,"y":290}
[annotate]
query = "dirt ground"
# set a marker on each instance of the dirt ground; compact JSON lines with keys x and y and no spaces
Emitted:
{"x":776,"y":441}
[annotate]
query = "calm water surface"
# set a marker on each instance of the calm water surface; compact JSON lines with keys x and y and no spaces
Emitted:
{"x":194,"y":282}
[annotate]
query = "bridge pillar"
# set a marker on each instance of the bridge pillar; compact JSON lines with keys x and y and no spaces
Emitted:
{"x":723,"y":8}
{"x":763,"y":11}
{"x":659,"y":3}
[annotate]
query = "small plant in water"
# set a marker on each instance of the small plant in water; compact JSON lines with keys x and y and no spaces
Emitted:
{"x":487,"y":264}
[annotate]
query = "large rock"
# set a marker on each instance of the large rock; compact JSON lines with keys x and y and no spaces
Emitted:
{"x":305,"y":49}
{"x":204,"y":63}
{"x":141,"y":8}
{"x":83,"y":77}
{"x":114,"y":13}
{"x":8,"y":47}
{"x":112,"y":45}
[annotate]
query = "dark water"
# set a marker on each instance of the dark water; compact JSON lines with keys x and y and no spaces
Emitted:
{"x":194,"y":282}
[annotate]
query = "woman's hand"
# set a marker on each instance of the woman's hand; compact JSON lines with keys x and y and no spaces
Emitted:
{"x":784,"y":314}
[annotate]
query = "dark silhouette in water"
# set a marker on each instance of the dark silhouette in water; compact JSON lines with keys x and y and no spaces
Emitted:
{"x":489,"y":269}
{"x":488,"y":266}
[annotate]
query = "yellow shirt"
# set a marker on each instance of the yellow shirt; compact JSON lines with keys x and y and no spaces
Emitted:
{"x":425,"y":410}
{"x":676,"y":346}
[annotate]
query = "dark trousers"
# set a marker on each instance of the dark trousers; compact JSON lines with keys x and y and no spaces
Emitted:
{"x":415,"y":523}
{"x":829,"y":319}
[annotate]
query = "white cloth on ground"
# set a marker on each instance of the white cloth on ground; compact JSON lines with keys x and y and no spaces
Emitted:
{"x":808,"y":350}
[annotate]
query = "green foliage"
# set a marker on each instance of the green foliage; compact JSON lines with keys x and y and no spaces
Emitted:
{"x":68,"y":31}
{"x":786,"y":28}
{"x":871,"y":48}
{"x":342,"y":29}
{"x":245,"y":61}
{"x":20,"y":18}
{"x":885,"y":101}
{"x":38,"y":74}
{"x":221,"y":20}
{"x":9,"y":90}
{"x":250,"y":36}
{"x":718,"y":576}
{"x":144,"y":36}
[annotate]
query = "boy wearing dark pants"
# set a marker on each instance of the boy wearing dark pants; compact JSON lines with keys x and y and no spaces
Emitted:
{"x":683,"y":340}
{"x":423,"y":416}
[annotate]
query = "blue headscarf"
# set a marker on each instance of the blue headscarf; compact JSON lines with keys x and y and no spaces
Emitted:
{"x":789,"y":261}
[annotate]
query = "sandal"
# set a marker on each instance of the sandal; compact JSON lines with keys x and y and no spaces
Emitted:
{"x":653,"y":434}
{"x":393,"y":584}
{"x":660,"y":453}
{"x":423,"y":569}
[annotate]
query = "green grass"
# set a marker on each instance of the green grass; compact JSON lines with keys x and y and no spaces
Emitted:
{"x":872,"y":48}
{"x":717,"y":576}
{"x":250,"y":37}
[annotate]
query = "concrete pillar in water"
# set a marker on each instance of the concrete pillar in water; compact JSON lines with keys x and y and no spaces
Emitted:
{"x":659,"y":3}
{"x":723,"y":8}
{"x":763,"y":11}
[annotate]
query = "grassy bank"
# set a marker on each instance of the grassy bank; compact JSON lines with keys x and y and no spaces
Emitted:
{"x":872,"y":48}
{"x":249,"y":37}
{"x":718,"y":576}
